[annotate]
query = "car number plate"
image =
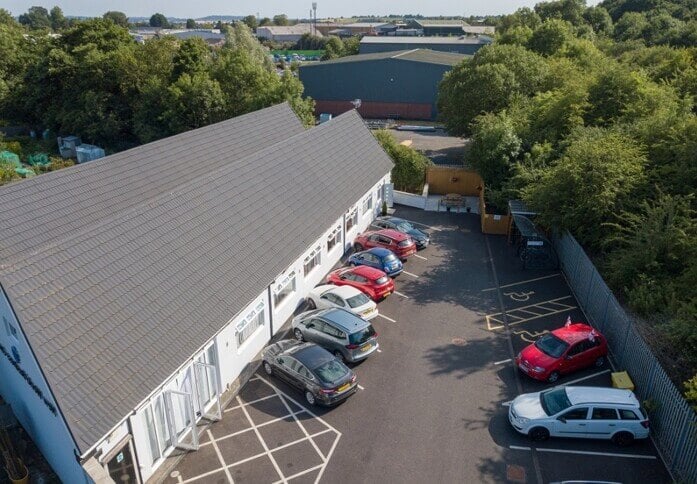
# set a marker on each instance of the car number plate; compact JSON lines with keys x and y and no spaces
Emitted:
{"x":343,"y":387}
{"x":386,"y":294}
{"x":366,"y":347}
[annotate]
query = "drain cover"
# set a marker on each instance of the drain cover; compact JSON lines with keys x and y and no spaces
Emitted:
{"x":459,"y":341}
{"x":515,"y":473}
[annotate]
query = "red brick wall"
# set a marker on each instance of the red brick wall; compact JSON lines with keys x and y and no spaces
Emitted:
{"x":372,"y":109}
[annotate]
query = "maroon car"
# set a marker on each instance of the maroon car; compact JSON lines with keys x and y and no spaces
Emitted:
{"x":401,"y":244}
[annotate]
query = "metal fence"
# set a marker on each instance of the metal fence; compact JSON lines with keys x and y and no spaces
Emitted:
{"x":673,"y":422}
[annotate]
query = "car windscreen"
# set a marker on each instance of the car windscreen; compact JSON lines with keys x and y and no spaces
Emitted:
{"x":405,"y":226}
{"x":357,"y":300}
{"x":382,"y":280}
{"x":360,"y":337}
{"x":554,"y":401}
{"x":390,"y":258}
{"x":405,"y":243}
{"x":331,"y":371}
{"x":551,"y":345}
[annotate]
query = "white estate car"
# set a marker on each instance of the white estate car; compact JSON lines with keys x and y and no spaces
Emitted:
{"x":346,"y":297}
{"x":581,"y":412}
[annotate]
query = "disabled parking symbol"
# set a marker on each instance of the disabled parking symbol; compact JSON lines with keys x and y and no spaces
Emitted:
{"x":529,"y":337}
{"x":519,"y":296}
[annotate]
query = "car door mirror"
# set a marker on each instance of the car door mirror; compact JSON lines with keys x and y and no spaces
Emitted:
{"x":568,"y":357}
{"x":310,"y":325}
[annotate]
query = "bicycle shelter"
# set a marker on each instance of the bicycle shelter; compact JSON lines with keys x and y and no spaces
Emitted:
{"x":532,"y":246}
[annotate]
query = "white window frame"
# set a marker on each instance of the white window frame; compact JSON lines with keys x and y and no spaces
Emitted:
{"x":250,"y":324}
{"x":312,"y":261}
{"x":288,"y":280}
{"x":334,"y":238}
{"x":367,"y":204}
{"x":351,"y":216}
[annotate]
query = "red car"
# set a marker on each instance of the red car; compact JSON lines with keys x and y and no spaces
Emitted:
{"x":401,"y":244}
{"x":569,"y":348}
{"x":373,"y":282}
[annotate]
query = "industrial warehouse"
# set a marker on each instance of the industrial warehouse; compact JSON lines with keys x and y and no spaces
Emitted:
{"x":137,"y":289}
{"x":388,"y":84}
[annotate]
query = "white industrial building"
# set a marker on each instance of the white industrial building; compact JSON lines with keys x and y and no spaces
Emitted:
{"x":138,"y":289}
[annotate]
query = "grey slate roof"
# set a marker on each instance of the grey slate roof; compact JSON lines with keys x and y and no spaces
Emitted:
{"x":39,"y":210}
{"x":416,"y":55}
{"x":118,"y":304}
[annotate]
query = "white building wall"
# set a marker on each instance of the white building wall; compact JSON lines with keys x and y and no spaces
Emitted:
{"x":48,"y":430}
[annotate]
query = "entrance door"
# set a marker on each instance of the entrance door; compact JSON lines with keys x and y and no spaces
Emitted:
{"x":121,"y":466}
{"x":208,"y":393}
{"x":181,"y":419}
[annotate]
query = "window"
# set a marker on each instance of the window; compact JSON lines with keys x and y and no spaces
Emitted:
{"x":351,"y":219}
{"x":10,"y":328}
{"x":378,"y":194}
{"x":253,"y":321}
{"x":367,"y":204}
{"x":604,"y":414}
{"x":284,"y":288}
{"x":334,"y":238}
{"x":312,"y":260}
{"x":332,"y":331}
{"x":576,"y":414}
{"x":158,"y":431}
{"x":626,"y":414}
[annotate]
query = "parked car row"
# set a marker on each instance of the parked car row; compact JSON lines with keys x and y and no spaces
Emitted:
{"x":336,"y":329}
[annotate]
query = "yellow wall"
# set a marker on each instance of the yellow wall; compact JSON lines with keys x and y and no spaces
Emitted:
{"x":443,"y":180}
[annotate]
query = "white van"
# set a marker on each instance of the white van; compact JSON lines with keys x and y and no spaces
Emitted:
{"x":580,"y":412}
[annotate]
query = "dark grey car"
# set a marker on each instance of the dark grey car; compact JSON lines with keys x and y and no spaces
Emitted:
{"x":421,"y":238}
{"x":341,"y":332}
{"x":324,"y":379}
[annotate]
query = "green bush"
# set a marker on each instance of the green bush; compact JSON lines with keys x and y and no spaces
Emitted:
{"x":409,"y":172}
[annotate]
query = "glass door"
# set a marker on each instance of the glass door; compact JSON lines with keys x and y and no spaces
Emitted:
{"x":181,"y":418}
{"x":121,"y":466}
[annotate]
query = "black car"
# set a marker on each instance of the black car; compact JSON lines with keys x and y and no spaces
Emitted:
{"x":323,"y":378}
{"x":420,"y":237}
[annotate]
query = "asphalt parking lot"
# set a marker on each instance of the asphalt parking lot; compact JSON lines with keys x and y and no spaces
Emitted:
{"x":431,"y":405}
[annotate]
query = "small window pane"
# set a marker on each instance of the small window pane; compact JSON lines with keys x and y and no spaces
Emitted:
{"x":626,"y":414}
{"x":604,"y":414}
{"x":576,"y":414}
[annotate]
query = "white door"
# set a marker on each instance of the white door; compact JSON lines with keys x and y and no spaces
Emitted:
{"x":573,"y":423}
{"x":181,"y":418}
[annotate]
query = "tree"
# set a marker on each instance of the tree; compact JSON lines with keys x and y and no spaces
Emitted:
{"x":251,"y":22}
{"x":193,"y":101}
{"x":494,"y":147}
{"x":519,"y":35}
{"x":190,"y":23}
{"x":568,"y":10}
{"x":36,"y":18}
{"x":550,"y":37}
{"x":599,"y":19}
{"x":409,"y":172}
{"x":352,"y":46}
{"x":333,"y":48}
{"x":58,"y":20}
{"x":631,"y":25}
{"x":6,"y":18}
{"x":119,"y":18}
{"x":523,"y":17}
{"x":159,"y":20}
{"x":591,"y":182}
{"x":193,"y":57}
{"x":281,"y":19}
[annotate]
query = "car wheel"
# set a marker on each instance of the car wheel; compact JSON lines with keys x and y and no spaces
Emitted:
{"x":539,"y":434}
{"x":267,"y":368}
{"x":554,"y":376}
{"x":623,"y":439}
{"x":298,"y":334}
{"x":311,"y":304}
{"x":358,"y":247}
{"x":600,"y":361}
{"x":310,"y":398}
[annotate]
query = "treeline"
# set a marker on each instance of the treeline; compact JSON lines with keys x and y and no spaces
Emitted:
{"x":95,"y":81}
{"x":597,"y":133}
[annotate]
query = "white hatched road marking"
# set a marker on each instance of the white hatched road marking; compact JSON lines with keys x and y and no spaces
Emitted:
{"x":522,"y":282}
{"x":307,"y":435}
{"x":577,"y":380}
{"x":385,"y":317}
{"x":250,"y":403}
{"x":502,"y":361}
{"x":556,"y":308}
{"x":400,"y":294}
{"x":420,"y":257}
{"x":410,"y":274}
{"x":220,"y":456}
{"x":301,"y":473}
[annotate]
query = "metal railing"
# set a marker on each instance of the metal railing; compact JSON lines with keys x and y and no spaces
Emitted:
{"x":673,"y":421}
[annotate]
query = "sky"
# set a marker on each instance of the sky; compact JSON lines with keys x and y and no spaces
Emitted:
{"x":269,"y":8}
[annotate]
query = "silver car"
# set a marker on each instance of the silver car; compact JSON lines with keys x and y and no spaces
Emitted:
{"x":339,"y":331}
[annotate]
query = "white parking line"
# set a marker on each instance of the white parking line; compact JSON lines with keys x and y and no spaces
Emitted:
{"x":604,"y":454}
{"x":410,"y":274}
{"x":420,"y":257}
{"x":360,"y":387}
{"x":385,"y":317}
{"x":522,"y":282}
{"x":220,"y":456}
{"x":263,"y":442}
{"x":519,"y":447}
{"x":379,"y":350}
{"x":502,"y":361}
{"x":301,"y":473}
{"x":230,"y":409}
{"x":584,"y":378}
{"x":400,"y":294}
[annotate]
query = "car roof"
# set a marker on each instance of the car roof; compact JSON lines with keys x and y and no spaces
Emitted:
{"x":341,"y":291}
{"x":574,"y":333}
{"x":393,"y":234}
{"x":591,"y":395}
{"x":380,"y":251}
{"x":367,"y":271}
{"x":311,"y":355}
{"x":344,"y":319}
